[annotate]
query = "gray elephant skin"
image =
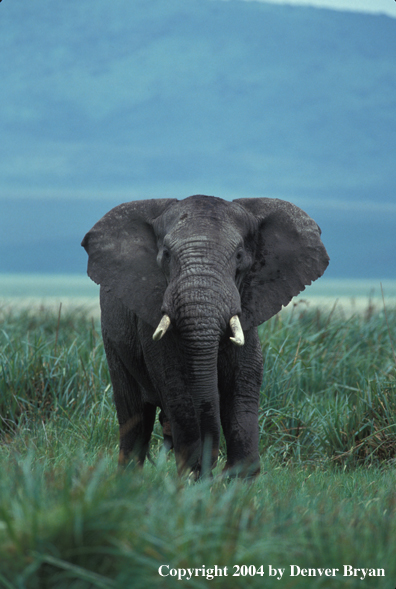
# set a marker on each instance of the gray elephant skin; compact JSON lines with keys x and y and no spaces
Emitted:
{"x":184,"y":285}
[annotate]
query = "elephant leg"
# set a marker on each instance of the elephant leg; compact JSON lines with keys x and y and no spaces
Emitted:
{"x":135,"y":416}
{"x":240,"y":377}
{"x":135,"y":434}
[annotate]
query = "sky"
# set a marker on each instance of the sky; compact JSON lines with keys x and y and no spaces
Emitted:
{"x":375,"y":6}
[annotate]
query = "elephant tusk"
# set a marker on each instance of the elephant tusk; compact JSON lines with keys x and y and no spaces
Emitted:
{"x":162,"y":327}
{"x":237,"y":331}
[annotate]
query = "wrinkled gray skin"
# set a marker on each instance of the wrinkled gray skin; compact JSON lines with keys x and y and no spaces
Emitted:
{"x":201,"y":261}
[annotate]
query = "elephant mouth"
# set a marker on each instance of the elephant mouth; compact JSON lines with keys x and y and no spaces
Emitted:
{"x":237,"y":338}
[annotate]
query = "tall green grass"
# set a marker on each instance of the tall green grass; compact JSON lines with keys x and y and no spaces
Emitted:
{"x":329,"y":386}
{"x":325,"y":497}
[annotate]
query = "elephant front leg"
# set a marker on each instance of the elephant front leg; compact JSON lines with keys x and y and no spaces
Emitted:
{"x":135,"y":416}
{"x":242,"y":436}
{"x":135,"y":433}
{"x":240,"y":377}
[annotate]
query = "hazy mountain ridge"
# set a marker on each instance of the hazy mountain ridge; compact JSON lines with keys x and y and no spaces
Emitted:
{"x":262,"y":94}
{"x":170,"y":99}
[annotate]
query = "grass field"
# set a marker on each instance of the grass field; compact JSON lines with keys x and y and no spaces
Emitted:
{"x":326,"y":498}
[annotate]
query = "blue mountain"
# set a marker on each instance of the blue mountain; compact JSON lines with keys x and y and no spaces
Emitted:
{"x":103,"y":103}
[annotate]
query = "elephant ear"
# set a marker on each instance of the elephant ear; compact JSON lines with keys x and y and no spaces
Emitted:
{"x":289,"y":256}
{"x":122,"y":250}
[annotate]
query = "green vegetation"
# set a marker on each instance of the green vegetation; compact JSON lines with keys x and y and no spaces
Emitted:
{"x":326,"y":496}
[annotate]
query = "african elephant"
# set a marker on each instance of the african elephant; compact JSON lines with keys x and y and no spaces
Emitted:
{"x":184,"y":285}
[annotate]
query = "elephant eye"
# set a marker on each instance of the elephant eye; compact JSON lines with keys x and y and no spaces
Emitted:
{"x":243,"y":260}
{"x":163,"y":258}
{"x":166,"y":255}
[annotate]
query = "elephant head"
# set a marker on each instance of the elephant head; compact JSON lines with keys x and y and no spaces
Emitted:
{"x":249,"y":257}
{"x":206,"y":270}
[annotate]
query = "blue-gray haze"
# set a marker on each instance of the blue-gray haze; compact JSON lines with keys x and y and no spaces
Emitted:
{"x":107,"y":102}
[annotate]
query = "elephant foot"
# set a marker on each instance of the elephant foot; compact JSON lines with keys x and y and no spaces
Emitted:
{"x":248,"y":471}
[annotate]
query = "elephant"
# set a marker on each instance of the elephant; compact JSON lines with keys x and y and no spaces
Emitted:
{"x":183,"y":286}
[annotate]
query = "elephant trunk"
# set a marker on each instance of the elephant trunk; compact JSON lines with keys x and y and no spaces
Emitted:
{"x":201,"y":365}
{"x":201,"y":320}
{"x":200,"y":308}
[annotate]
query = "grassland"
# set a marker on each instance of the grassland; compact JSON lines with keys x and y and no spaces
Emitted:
{"x":326,"y":496}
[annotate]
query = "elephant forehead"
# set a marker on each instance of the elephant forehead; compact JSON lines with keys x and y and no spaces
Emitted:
{"x":195,"y":241}
{"x":205,"y":217}
{"x":206,"y":234}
